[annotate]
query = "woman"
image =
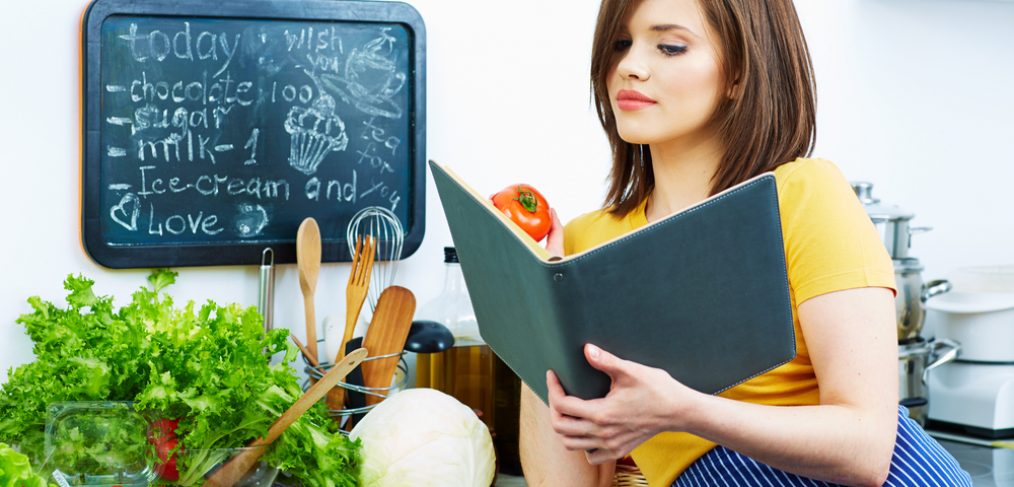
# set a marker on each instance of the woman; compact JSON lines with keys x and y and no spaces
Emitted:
{"x":697,"y":96}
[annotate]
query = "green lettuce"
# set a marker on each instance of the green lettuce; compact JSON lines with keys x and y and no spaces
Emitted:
{"x":16,"y":471}
{"x":207,"y":366}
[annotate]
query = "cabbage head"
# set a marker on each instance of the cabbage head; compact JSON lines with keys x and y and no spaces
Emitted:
{"x":423,"y":437}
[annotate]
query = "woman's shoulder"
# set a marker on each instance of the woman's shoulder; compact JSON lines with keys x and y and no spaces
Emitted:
{"x":809,"y":170}
{"x":806,"y":178}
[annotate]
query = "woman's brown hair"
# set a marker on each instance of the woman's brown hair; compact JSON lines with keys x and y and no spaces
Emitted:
{"x":770,"y":120}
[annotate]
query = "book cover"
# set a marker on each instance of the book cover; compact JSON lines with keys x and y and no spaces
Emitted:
{"x":702,"y":294}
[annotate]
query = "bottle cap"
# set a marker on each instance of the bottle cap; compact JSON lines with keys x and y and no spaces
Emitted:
{"x":450,"y":255}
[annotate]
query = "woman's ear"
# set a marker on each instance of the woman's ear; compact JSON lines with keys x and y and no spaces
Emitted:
{"x":732,"y":92}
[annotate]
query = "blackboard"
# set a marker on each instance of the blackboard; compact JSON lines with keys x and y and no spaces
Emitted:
{"x":212,"y":129}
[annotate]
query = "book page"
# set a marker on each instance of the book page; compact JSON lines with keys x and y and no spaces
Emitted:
{"x":543,"y":254}
{"x":526,"y":239}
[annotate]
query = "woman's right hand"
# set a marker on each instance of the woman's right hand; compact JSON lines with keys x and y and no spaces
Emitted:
{"x":554,"y":241}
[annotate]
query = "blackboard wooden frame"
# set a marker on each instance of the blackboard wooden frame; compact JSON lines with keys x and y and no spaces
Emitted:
{"x":333,"y":250}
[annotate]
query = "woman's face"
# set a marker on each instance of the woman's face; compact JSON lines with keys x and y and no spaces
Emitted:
{"x":667,"y":79}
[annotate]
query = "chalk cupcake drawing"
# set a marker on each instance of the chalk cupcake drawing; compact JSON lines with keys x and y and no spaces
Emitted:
{"x":370,"y":78}
{"x":315,"y":131}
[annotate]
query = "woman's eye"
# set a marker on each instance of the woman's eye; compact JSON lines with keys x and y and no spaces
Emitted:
{"x":622,"y":45}
{"x":672,"y":49}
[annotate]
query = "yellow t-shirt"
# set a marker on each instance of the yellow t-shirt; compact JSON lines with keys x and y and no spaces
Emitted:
{"x":830,"y":245}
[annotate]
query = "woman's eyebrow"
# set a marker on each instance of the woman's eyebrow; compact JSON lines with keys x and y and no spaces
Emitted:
{"x":668,"y":27}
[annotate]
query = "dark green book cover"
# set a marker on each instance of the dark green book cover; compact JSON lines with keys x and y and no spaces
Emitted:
{"x":702,"y":294}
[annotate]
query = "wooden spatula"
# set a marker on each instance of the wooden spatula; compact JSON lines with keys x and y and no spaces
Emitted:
{"x":308,"y":261}
{"x":233,"y":471}
{"x":386,"y":335}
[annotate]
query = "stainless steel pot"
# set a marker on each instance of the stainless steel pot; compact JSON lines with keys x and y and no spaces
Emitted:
{"x":909,"y":304}
{"x":915,"y":361}
{"x":891,"y":222}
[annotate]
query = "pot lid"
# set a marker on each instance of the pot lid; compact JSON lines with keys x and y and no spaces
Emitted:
{"x":874,"y":208}
{"x":966,"y":303}
{"x":907,"y":264}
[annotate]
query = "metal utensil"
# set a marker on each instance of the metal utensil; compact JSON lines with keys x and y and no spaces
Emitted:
{"x":386,"y":230}
{"x":308,"y":261}
{"x":266,"y":291}
{"x":232,"y":471}
{"x":386,"y":335}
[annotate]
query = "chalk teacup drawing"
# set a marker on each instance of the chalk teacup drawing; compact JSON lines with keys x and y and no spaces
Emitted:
{"x":370,"y":79}
{"x":315,"y":131}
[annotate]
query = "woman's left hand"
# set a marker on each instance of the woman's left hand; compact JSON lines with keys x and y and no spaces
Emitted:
{"x":642,"y":402}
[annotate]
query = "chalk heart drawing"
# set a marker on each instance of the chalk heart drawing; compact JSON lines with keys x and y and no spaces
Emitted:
{"x":126,"y":212}
{"x":251,"y":220}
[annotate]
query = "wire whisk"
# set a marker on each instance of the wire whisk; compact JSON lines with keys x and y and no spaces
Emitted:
{"x":385,"y":228}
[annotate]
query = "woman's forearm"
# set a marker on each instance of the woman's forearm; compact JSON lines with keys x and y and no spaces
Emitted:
{"x":836,"y":443}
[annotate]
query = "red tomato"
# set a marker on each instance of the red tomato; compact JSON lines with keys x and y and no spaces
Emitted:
{"x":163,"y":436}
{"x":527,"y":207}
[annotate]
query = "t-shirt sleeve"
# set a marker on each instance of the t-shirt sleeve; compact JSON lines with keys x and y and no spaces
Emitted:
{"x":830,"y":241}
{"x":568,"y":239}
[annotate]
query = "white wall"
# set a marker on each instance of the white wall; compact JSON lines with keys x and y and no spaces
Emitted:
{"x":915,"y":95}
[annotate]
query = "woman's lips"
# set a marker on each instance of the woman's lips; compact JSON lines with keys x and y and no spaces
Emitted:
{"x":633,"y":100}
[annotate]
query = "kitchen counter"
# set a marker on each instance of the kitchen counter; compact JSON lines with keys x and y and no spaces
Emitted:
{"x":989,"y":467}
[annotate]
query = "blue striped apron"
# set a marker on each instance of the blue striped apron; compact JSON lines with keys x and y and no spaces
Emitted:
{"x":918,"y":461}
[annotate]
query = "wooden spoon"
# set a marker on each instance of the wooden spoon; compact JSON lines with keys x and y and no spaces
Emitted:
{"x":386,"y":335}
{"x":308,"y":261}
{"x":234,"y":469}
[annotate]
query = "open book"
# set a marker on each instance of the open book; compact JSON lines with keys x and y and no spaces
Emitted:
{"x":702,"y":294}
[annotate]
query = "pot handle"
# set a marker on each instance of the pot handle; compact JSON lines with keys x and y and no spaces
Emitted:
{"x":950,"y":352}
{"x":934,"y":288}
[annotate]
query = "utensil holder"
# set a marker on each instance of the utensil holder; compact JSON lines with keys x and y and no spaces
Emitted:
{"x":400,"y":382}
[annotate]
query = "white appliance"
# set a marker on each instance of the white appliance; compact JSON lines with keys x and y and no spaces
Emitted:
{"x":973,"y":398}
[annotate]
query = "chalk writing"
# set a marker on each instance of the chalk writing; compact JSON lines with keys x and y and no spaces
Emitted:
{"x":369,"y":157}
{"x":333,"y":190}
{"x":178,"y":224}
{"x":251,"y":144}
{"x":157,"y":46}
{"x":233,"y":129}
{"x":377,"y":134}
{"x":121,"y":121}
{"x":327,"y":38}
{"x":385,"y":192}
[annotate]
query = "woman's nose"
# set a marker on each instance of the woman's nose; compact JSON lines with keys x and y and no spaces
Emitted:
{"x":630,"y":67}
